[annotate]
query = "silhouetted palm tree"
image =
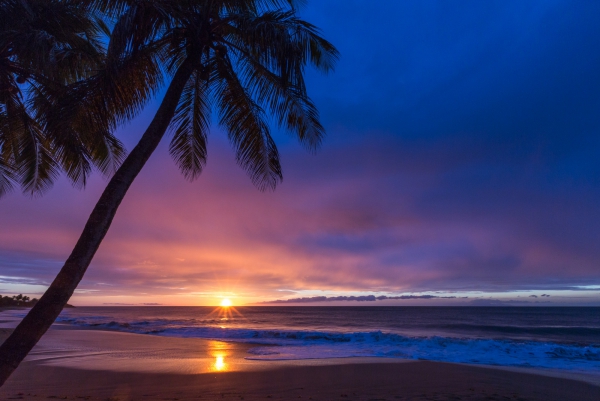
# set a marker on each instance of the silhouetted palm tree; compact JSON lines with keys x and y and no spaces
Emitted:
{"x":239,"y":58}
{"x":46,"y":45}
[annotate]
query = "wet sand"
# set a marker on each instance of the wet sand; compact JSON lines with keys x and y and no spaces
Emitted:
{"x":100,"y":365}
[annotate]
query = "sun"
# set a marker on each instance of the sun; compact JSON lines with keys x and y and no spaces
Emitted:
{"x":225,"y":303}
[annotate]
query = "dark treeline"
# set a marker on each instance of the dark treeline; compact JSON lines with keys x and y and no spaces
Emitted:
{"x":21,"y":300}
{"x":17,"y":300}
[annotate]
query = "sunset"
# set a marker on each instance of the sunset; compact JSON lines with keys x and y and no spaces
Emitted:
{"x":470,"y":172}
{"x":480,"y":184}
{"x":267,"y":185}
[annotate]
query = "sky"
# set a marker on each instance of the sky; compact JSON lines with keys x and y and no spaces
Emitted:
{"x":461,"y":167}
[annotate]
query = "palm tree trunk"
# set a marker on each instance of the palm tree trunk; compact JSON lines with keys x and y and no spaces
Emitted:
{"x":45,"y":312}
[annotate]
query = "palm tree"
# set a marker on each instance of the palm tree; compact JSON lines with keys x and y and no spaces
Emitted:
{"x":237,"y":58}
{"x":46,"y":45}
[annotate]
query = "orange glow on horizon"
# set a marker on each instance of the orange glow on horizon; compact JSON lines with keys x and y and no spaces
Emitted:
{"x":225,"y":311}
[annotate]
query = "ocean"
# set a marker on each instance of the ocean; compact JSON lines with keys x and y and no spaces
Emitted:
{"x":538,"y":337}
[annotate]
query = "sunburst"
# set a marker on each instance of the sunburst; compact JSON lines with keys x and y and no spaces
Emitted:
{"x":225,"y":310}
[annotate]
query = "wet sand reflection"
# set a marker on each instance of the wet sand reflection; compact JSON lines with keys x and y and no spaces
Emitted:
{"x":219,"y":351}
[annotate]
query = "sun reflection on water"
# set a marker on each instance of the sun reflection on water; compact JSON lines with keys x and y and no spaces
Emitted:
{"x":218,"y":351}
{"x":225,"y":312}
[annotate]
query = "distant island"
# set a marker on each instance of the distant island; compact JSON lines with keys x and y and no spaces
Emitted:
{"x":21,"y":300}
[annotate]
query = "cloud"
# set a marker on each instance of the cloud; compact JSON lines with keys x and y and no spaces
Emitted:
{"x":461,"y":155}
{"x":360,"y":298}
{"x":131,"y":304}
{"x":497,"y":302}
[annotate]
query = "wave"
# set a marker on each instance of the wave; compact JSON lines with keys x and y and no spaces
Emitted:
{"x":304,"y":344}
{"x":557,"y":331}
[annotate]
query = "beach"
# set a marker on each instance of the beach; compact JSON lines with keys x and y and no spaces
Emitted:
{"x":71,"y":363}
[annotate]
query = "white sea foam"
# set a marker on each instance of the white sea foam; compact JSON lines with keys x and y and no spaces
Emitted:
{"x":299,"y":344}
{"x":509,"y":340}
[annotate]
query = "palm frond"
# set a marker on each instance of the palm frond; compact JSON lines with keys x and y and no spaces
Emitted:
{"x":81,"y":117}
{"x":45,"y":46}
{"x":37,"y":168}
{"x":73,"y":90}
{"x":282,"y":42}
{"x":25,"y":151}
{"x":190,"y":127}
{"x":136,"y":27}
{"x":258,"y":6}
{"x":271,"y":51}
{"x":73,"y":156}
{"x":50,"y":36}
{"x":8,"y":152}
{"x":289,"y":102}
{"x":244,"y":119}
{"x":107,"y":153}
{"x":7,"y":177}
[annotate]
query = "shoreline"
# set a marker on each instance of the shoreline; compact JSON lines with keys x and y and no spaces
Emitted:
{"x":64,"y":345}
{"x":527,"y":342}
{"x":116,"y":366}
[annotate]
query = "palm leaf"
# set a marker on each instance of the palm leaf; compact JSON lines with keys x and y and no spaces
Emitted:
{"x":37,"y":168}
{"x":289,"y":103}
{"x":244,"y":120}
{"x":25,"y":152}
{"x":190,"y":127}
{"x":7,"y":177}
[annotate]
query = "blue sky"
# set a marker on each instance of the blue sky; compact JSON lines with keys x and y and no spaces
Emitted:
{"x":461,"y":158}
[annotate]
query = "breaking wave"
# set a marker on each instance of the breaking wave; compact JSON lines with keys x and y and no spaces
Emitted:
{"x":301,"y":344}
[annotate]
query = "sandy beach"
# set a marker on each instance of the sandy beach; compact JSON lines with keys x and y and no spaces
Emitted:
{"x":104,"y":365}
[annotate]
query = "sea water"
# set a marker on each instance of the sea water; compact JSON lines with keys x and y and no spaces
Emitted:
{"x":542,"y":337}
